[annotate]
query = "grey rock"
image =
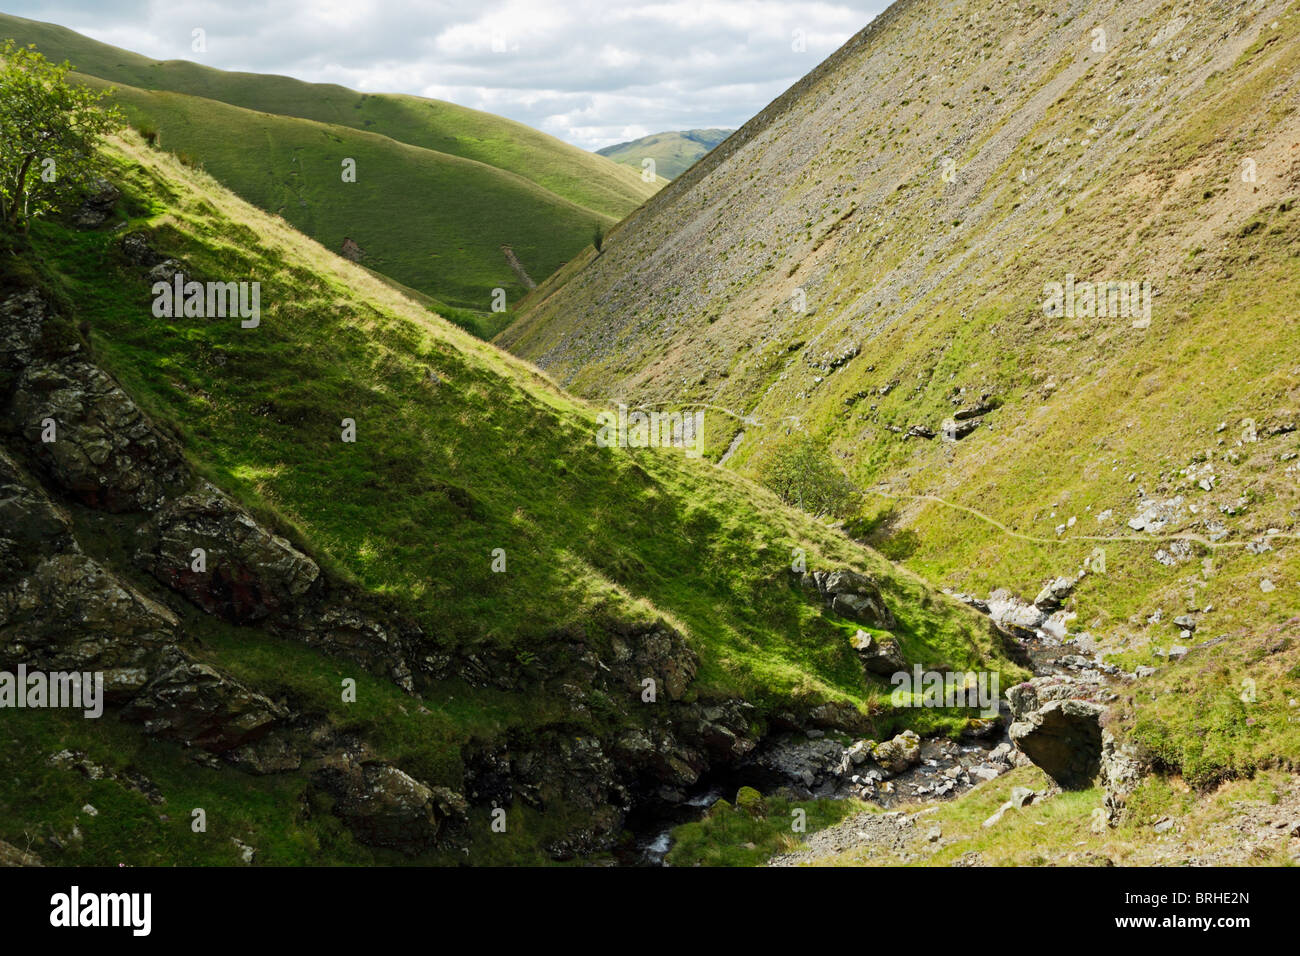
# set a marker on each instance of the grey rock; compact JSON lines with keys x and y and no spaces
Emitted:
{"x":880,"y":656}
{"x":1057,"y":724}
{"x":98,"y":205}
{"x":897,"y":755}
{"x":105,"y":452}
{"x":1054,"y":593}
{"x":195,"y":704}
{"x":71,"y":614}
{"x":251,"y":574}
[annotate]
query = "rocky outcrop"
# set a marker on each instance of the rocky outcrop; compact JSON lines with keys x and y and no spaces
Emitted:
{"x":1121,"y":769}
{"x":880,"y":656}
{"x":206,"y":547}
{"x":384,"y":806}
{"x":851,"y":595}
{"x":72,"y":614}
{"x":102,"y":449}
{"x":83,"y":430}
{"x":195,"y":704}
{"x":248,"y":575}
{"x":31,"y":525}
{"x":1057,"y":723}
{"x":97,"y":206}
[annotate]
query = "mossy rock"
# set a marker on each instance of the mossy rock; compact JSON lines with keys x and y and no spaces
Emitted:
{"x":718,"y":809}
{"x":751,"y":803}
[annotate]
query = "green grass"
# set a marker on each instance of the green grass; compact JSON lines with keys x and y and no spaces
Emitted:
{"x":731,"y":836}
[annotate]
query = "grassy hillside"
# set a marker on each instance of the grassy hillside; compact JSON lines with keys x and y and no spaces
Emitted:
{"x":460,"y":450}
{"x":872,"y":253}
{"x":439,"y":189}
{"x":673,"y":152}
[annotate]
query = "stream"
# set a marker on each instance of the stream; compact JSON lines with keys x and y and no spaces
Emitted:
{"x":817,"y":766}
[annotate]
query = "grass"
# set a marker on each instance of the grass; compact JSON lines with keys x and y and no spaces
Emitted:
{"x":731,"y":836}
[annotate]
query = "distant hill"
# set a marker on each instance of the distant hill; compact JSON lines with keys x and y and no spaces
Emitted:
{"x":673,"y":152}
{"x":440,"y":189}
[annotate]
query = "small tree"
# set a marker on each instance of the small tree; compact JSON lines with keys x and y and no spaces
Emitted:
{"x":48,"y":132}
{"x":598,"y":237}
{"x":801,"y":472}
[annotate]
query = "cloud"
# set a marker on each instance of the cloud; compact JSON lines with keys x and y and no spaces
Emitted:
{"x":587,"y":71}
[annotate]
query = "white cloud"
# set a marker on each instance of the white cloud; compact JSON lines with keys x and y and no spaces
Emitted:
{"x":593,"y":72}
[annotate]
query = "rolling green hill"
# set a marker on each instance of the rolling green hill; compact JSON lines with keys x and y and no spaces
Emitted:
{"x":673,"y":153}
{"x":876,"y":255}
{"x":501,"y":551}
{"x":439,"y":189}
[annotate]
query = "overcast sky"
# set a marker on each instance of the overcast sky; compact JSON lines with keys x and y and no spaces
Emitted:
{"x":592,"y":73}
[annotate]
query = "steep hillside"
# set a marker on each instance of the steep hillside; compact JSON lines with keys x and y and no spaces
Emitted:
{"x":482,"y":184}
{"x":236,"y":516}
{"x":673,"y":153}
{"x":881,"y":258}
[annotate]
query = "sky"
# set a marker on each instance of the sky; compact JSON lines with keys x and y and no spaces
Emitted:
{"x":591,"y":73}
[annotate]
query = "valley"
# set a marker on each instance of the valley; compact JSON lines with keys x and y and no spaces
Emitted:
{"x":911,"y":480}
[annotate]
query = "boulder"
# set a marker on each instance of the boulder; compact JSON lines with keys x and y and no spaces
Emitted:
{"x":1056,"y":723}
{"x":98,"y":205}
{"x":851,"y":595}
{"x":751,"y":803}
{"x":880,"y":656}
{"x":1053,"y":595}
{"x":195,"y":704}
{"x":384,"y":806}
{"x":1013,"y":616}
{"x":165,"y":271}
{"x":954,"y":430}
{"x":250,"y":574}
{"x":136,"y":248}
{"x":897,"y":755}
